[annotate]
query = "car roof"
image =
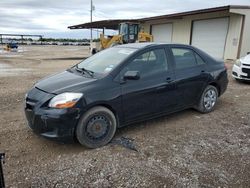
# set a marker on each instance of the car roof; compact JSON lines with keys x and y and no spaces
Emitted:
{"x":148,"y":44}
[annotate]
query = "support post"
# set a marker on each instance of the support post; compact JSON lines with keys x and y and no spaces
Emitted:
{"x":22,"y":39}
{"x":91,"y":15}
{"x":2,"y":183}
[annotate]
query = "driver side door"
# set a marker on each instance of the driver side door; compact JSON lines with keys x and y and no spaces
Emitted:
{"x":154,"y":92}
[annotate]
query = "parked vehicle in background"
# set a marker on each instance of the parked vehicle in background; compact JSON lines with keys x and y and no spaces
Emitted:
{"x":123,"y":85}
{"x":11,"y":46}
{"x":241,"y":68}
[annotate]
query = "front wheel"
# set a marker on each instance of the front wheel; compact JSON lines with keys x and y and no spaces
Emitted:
{"x":96,"y":128}
{"x":208,"y":99}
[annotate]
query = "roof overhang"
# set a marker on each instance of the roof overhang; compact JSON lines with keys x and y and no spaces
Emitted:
{"x":194,"y":12}
{"x":113,"y":24}
{"x":107,"y":24}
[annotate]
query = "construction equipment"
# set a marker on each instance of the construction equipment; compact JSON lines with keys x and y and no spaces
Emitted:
{"x":2,"y":157}
{"x":11,"y":46}
{"x":129,"y":32}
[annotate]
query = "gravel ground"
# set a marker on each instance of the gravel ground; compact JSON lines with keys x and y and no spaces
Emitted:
{"x":185,"y":149}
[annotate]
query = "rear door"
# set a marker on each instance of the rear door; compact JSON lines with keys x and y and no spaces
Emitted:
{"x":191,"y":76}
{"x":154,"y":92}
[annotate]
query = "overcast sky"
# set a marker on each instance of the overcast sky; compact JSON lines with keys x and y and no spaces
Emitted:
{"x":52,"y":17}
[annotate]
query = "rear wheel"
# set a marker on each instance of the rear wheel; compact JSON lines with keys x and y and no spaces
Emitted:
{"x":96,"y":128}
{"x":208,"y":99}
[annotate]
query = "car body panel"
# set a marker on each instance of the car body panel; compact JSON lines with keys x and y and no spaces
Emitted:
{"x":63,"y":82}
{"x":130,"y":101}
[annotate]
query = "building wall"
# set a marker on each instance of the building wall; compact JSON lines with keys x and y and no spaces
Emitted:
{"x":182,"y":29}
{"x":233,"y":37}
{"x":245,"y":42}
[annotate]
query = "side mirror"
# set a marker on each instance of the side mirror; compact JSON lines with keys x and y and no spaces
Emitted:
{"x":248,"y":53}
{"x":132,"y":75}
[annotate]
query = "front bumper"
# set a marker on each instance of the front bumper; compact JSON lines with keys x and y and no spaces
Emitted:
{"x":238,"y":73}
{"x":55,"y":124}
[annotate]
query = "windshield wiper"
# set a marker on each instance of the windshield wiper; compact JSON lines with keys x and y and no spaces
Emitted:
{"x":83,"y":70}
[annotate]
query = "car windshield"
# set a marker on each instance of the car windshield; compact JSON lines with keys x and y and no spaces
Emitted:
{"x":106,"y":60}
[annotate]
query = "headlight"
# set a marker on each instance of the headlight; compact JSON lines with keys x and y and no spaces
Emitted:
{"x":238,"y":63}
{"x":65,"y":100}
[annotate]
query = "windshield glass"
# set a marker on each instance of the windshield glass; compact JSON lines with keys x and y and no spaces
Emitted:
{"x":123,"y":29}
{"x":105,"y":61}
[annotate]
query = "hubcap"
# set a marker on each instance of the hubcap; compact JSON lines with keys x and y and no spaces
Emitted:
{"x":97,"y":127}
{"x":210,"y":99}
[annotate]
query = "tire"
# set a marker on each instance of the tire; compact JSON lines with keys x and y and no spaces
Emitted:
{"x":96,"y":127}
{"x":208,"y":100}
{"x":94,"y":51}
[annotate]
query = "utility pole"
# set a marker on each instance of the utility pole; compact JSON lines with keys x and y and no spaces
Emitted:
{"x":91,"y":19}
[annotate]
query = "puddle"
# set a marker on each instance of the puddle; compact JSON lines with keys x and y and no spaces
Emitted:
{"x":125,"y":142}
{"x":8,"y":70}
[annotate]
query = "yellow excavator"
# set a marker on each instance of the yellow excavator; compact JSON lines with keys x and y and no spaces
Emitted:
{"x":129,"y":32}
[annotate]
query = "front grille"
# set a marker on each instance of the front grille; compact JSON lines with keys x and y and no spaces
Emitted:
{"x":247,"y":71}
{"x":30,"y":104}
{"x":245,"y":77}
{"x":33,"y":97}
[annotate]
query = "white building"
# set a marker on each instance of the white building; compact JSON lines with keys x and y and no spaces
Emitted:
{"x":223,"y":32}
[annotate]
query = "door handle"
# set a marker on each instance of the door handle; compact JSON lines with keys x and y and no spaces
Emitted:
{"x":203,"y":71}
{"x":169,"y":80}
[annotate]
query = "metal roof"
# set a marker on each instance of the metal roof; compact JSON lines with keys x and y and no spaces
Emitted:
{"x":108,"y":24}
{"x":113,"y":24}
{"x":200,"y":11}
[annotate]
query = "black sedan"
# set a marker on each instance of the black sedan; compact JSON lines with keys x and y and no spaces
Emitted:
{"x":123,"y":85}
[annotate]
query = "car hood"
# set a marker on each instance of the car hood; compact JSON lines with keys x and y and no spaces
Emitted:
{"x":245,"y":59}
{"x":63,"y":82}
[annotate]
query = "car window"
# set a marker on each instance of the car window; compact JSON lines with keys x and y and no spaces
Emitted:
{"x":149,"y":56}
{"x":149,"y":63}
{"x":199,"y":60}
{"x":184,"y":58}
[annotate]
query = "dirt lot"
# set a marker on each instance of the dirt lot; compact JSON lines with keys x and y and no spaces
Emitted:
{"x":185,"y":149}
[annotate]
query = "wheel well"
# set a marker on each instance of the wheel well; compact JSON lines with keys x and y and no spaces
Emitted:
{"x":110,"y":108}
{"x":217,"y":86}
{"x":103,"y":105}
